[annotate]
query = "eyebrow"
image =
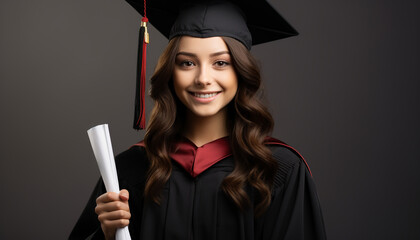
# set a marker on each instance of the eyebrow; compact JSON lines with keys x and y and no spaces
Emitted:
{"x":211,"y":55}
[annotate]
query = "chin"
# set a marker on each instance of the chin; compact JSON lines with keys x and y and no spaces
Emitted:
{"x":207,"y":112}
{"x":204,"y":114}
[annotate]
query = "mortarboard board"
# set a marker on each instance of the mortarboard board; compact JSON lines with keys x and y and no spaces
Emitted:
{"x":250,"y":22}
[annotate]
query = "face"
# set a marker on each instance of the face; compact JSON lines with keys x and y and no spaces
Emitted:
{"x":204,"y":78}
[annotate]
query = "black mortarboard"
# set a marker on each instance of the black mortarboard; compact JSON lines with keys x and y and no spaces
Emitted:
{"x":249,"y":21}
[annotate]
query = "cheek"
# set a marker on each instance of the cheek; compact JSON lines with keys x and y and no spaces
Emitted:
{"x":231,"y":85}
{"x":182,"y":79}
{"x":179,"y":84}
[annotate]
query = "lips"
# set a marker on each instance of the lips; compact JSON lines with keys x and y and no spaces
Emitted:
{"x":204,"y":94}
{"x":204,"y":97}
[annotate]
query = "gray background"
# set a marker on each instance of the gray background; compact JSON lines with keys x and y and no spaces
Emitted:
{"x":344,"y":93}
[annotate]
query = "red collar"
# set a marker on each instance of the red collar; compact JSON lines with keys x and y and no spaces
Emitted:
{"x":196,"y":160}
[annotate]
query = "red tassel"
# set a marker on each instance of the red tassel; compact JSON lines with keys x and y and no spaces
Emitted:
{"x":140,"y":109}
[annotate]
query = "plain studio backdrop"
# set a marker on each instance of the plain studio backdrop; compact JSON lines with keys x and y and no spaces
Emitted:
{"x":344,"y":92}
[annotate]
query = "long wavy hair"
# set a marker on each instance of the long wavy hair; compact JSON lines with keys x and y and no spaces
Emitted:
{"x":251,"y":123}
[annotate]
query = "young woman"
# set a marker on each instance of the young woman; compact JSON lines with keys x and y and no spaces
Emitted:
{"x":207,"y":168}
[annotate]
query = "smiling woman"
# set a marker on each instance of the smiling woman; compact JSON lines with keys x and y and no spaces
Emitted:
{"x":207,"y":168}
{"x":204,"y":78}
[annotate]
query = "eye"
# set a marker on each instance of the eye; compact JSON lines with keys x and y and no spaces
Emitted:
{"x":186,"y":63}
{"x":221,"y":63}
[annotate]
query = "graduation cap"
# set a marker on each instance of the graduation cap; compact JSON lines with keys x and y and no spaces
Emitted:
{"x":249,"y":21}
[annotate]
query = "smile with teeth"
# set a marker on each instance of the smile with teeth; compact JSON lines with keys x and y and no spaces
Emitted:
{"x":205,"y":95}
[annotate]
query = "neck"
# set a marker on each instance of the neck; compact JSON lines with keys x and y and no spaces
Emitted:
{"x":202,"y":130}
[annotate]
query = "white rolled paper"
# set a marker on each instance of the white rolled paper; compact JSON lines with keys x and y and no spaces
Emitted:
{"x":102,"y":149}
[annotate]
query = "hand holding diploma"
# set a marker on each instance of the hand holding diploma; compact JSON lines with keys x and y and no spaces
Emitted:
{"x":112,"y":207}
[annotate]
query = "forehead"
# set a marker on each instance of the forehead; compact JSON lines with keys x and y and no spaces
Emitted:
{"x":202,"y":45}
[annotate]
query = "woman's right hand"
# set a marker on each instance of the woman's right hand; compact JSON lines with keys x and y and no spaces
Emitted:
{"x":113,"y":212}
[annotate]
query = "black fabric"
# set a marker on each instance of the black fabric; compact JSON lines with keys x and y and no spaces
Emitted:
{"x":196,"y":208}
{"x":139,"y":103}
{"x":209,"y":18}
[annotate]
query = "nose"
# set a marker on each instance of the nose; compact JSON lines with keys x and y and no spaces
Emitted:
{"x":203,"y":77}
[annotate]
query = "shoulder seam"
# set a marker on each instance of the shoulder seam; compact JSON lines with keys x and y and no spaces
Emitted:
{"x":273,"y":141}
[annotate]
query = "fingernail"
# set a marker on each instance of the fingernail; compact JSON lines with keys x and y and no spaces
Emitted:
{"x":124,"y":194}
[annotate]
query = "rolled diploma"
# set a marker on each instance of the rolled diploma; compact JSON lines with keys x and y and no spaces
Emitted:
{"x":102,"y":149}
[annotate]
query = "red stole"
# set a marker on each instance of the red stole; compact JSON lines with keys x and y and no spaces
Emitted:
{"x":196,"y":160}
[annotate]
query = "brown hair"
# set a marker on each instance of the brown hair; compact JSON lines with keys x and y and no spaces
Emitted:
{"x":251,"y":123}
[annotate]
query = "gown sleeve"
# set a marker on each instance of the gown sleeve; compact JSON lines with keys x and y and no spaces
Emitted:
{"x":88,"y":226}
{"x":295,"y":212}
{"x":132,"y":166}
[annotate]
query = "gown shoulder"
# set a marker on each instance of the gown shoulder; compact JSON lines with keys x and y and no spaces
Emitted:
{"x":295,"y":212}
{"x":132,"y":165}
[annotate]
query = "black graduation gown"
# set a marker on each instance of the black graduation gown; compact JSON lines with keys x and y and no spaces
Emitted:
{"x":196,"y":208}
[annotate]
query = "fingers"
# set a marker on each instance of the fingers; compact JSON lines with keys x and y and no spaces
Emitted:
{"x":110,"y":227}
{"x":113,"y":211}
{"x":124,"y":195}
{"x":115,"y":219}
{"x":112,"y":206}
{"x":112,"y":196}
{"x":107,"y":197}
{"x":109,"y":202}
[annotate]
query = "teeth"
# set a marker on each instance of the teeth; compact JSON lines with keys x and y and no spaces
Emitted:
{"x":208,"y":95}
